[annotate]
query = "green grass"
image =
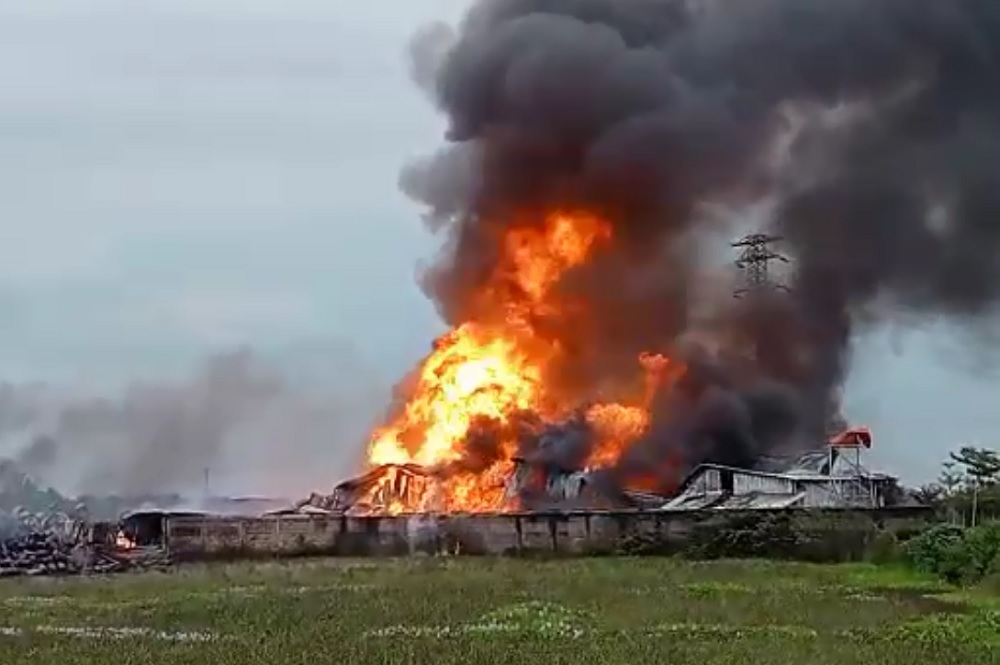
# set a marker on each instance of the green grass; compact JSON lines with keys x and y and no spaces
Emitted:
{"x":466,"y":611}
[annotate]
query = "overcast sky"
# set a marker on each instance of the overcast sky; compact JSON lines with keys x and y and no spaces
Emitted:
{"x":186,"y":176}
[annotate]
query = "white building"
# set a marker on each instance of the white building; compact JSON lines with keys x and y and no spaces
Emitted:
{"x":828,"y":478}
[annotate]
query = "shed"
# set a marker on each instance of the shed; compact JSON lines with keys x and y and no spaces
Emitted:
{"x":716,"y":486}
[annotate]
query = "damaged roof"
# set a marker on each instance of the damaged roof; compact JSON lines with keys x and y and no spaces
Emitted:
{"x":724,"y":501}
{"x":379,"y":472}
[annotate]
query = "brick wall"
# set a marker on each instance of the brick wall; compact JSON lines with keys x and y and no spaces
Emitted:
{"x":563,"y":533}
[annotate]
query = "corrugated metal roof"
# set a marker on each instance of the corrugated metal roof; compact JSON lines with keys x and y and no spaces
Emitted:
{"x":797,"y":474}
{"x":699,"y":501}
{"x":305,"y":509}
{"x":721,"y":501}
{"x":760,"y":501}
{"x":644,"y":499}
{"x":813,"y":462}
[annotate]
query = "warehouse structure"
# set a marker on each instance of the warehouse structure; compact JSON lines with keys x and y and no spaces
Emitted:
{"x":833,"y":477}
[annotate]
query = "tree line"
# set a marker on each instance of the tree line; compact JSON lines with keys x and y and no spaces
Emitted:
{"x":967,"y":491}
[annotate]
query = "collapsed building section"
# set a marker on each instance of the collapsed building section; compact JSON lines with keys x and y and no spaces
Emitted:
{"x":830,"y":477}
{"x":409,"y":488}
{"x":385,"y":489}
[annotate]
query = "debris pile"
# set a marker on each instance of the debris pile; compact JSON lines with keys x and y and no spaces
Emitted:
{"x":388,"y":488}
{"x":531,"y":485}
{"x":26,"y":507}
{"x":43,"y":532}
{"x":104,"y":561}
{"x":36,"y":553}
{"x":20,"y":522}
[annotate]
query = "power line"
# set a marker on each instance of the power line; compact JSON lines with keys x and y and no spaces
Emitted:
{"x":754,"y":261}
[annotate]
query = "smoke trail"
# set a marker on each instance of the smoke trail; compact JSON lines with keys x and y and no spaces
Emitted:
{"x":887,"y":188}
{"x":249,"y":420}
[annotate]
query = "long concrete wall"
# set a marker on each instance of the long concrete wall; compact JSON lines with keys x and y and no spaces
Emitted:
{"x":583,"y":533}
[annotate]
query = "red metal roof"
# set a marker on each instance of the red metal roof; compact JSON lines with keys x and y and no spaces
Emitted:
{"x":853,"y":437}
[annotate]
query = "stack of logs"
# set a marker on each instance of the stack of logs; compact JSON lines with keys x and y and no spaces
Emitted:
{"x":40,"y":553}
{"x":35,"y":553}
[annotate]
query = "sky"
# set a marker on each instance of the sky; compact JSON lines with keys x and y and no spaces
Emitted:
{"x":181,"y":178}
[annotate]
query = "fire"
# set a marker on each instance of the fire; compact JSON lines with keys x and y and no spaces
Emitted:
{"x":658,"y":372}
{"x":539,"y":258}
{"x":494,"y":366}
{"x":615,"y":425}
{"x":123,"y":542}
{"x":469,"y":375}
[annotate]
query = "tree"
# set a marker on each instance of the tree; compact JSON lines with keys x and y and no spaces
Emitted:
{"x":982,"y":468}
{"x":929,"y":495}
{"x":981,"y":464}
{"x":950,"y":479}
{"x":950,"y":482}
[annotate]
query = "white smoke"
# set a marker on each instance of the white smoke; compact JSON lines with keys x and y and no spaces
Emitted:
{"x":253,"y":426}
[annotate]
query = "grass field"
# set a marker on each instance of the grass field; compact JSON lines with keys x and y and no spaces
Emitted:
{"x":467,"y":611}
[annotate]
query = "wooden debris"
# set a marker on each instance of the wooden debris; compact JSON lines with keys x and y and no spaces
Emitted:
{"x":45,"y":554}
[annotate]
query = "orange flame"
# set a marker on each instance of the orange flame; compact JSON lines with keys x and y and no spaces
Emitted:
{"x":469,"y":375}
{"x":123,"y":542}
{"x":495,"y":366}
{"x":617,"y":425}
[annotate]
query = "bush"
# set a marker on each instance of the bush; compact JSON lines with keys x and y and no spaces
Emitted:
{"x":995,"y":566}
{"x":765,"y":536}
{"x":927,"y":551}
{"x":982,"y":551}
{"x":739,"y":536}
{"x":958,"y":555}
{"x":784,"y":535}
{"x":884,"y":549}
{"x":991,"y":583}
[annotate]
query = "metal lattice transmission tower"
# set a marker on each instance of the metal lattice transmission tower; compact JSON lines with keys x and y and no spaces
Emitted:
{"x":755,"y":260}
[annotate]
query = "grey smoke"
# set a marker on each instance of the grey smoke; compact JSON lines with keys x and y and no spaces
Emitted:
{"x":255,"y":423}
{"x":887,"y":189}
{"x":428,"y":49}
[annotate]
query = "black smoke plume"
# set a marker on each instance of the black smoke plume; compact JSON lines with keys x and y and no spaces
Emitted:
{"x":870,"y":128}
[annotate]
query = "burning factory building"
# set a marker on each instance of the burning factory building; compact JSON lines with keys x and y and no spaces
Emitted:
{"x":594,"y":347}
{"x":831,"y":476}
{"x":597,"y":153}
{"x":598,"y":158}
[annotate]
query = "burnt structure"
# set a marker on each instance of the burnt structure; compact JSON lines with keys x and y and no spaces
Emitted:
{"x":827,"y":493}
{"x":832,"y":476}
{"x":385,"y":488}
